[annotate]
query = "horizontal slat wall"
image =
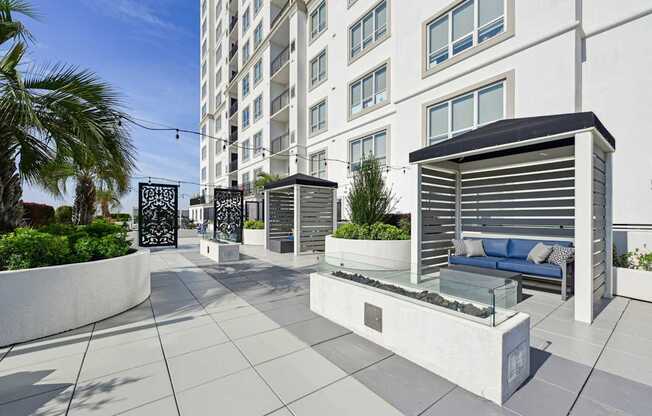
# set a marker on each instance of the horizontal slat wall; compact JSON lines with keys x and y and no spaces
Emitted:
{"x":599,"y":272}
{"x":281,"y":213}
{"x":316,"y":215}
{"x":438,"y":218}
{"x":535,"y":200}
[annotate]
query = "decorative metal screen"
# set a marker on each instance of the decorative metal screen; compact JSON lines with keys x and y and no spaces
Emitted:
{"x":228,"y":214}
{"x":157,"y":215}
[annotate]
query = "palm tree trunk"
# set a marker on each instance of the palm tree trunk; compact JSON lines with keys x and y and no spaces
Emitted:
{"x":84,"y":207}
{"x":11,"y":191}
{"x":104,"y":206}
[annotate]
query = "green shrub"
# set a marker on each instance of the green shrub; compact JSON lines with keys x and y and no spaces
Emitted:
{"x":254,"y":225}
{"x":101,"y":227}
{"x":369,"y":201}
{"x":63,"y":214}
{"x":377,"y":231}
{"x":37,"y":214}
{"x":636,"y":259}
{"x":26,"y":248}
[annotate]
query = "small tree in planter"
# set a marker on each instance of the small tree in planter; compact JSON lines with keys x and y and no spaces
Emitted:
{"x":369,"y":200}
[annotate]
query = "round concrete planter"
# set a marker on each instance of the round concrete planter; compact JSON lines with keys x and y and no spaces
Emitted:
{"x":369,"y":254}
{"x":35,"y":303}
{"x":253,"y":237}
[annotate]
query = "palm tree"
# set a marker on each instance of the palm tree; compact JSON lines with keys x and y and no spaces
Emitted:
{"x":107,"y":199}
{"x":263,"y":178}
{"x":50,"y":113}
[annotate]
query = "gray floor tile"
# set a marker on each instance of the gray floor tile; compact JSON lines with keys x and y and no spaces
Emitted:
{"x":119,"y":358}
{"x":169,"y":326}
{"x":240,"y":394}
{"x":238,"y":312}
{"x":316,"y":330}
{"x":537,"y":397}
{"x":405,"y":385}
{"x":633,"y":367}
{"x":587,"y":407}
{"x":281,"y":412}
{"x":296,"y":300}
{"x":269,"y":345}
{"x":248,"y":325}
{"x":291,"y":314}
{"x":461,"y":402}
{"x":572,"y":349}
{"x":223,"y":302}
{"x":352,"y":352}
{"x":632,"y":344}
{"x":190,"y":370}
{"x":161,"y":407}
{"x":300,"y":373}
{"x":619,"y":392}
{"x":557,"y":370}
{"x":178,"y":309}
{"x":574,"y":329}
{"x":52,"y":403}
{"x":193,"y":339}
{"x":122,"y":391}
{"x":170,"y":294}
{"x":346,"y":397}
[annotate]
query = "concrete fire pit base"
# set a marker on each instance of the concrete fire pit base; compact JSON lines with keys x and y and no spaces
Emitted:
{"x":219,"y":252}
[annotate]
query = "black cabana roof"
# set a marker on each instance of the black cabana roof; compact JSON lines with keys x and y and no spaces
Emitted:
{"x":300,"y":179}
{"x":513,"y":131}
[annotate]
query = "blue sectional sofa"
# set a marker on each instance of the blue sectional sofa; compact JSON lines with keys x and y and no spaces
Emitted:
{"x":510,"y":254}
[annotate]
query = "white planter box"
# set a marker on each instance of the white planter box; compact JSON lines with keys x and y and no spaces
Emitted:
{"x":253,"y":237}
{"x":372,"y":254}
{"x":219,"y":252}
{"x":636,"y":284}
{"x":35,"y":303}
{"x":491,"y":362}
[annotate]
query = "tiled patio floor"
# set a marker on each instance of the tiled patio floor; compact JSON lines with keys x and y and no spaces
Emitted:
{"x":241,"y":340}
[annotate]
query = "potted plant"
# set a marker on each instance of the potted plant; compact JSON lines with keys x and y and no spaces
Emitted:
{"x":369,"y":239}
{"x":632,"y":274}
{"x":254,"y":233}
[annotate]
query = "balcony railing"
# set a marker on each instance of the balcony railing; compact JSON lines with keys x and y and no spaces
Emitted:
{"x":280,"y":102}
{"x":197,"y":200}
{"x":280,"y":143}
{"x":233,"y":110}
{"x":232,"y":76}
{"x":233,"y":50}
{"x":280,"y":60}
{"x":233,"y":166}
{"x":233,"y":23}
{"x":279,"y":14}
{"x":233,"y":137}
{"x":248,"y":188}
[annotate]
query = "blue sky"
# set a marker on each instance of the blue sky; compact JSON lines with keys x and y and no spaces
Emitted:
{"x":149,"y":51}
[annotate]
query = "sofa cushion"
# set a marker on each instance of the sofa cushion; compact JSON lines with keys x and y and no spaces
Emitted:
{"x":496,"y":247}
{"x":527,"y":267}
{"x":520,"y":248}
{"x":484,"y":261}
{"x":474,"y":248}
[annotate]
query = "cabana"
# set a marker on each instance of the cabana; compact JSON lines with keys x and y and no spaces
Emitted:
{"x":542,"y":178}
{"x":300,"y":211}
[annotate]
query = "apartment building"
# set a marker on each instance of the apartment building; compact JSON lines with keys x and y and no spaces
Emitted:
{"x":311,"y":86}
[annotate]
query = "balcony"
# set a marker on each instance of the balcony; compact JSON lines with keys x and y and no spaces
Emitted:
{"x":233,"y":51}
{"x":233,"y":23}
{"x":197,"y":200}
{"x":279,"y":14}
{"x":233,"y":109}
{"x":281,"y":59}
{"x":248,"y":188}
{"x":233,"y":137}
{"x":234,"y":73}
{"x":233,"y":166}
{"x":280,"y":143}
{"x":280,"y":102}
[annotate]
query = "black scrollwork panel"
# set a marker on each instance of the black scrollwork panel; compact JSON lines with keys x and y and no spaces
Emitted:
{"x":157,"y":215}
{"x":228,"y":217}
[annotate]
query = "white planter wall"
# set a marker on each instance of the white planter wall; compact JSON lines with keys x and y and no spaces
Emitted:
{"x":491,"y":362}
{"x":35,"y":303}
{"x":253,"y":237}
{"x":636,"y":284}
{"x":371,"y":254}
{"x":219,"y":252}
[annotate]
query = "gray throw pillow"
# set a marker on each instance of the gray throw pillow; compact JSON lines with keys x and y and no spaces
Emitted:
{"x":460,"y":247}
{"x":539,"y":253}
{"x":474,"y":248}
{"x":560,"y":255}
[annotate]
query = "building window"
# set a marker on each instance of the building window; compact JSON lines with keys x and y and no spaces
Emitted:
{"x":246,"y":151}
{"x":246,"y":22}
{"x":203,"y":90}
{"x":258,"y":35}
{"x":372,"y":146}
{"x":258,"y":4}
{"x":203,"y":153}
{"x":318,"y":118}
{"x":245,"y":181}
{"x":203,"y":109}
{"x":258,"y":143}
{"x":258,"y":107}
{"x":369,"y":30}
{"x":245,"y":52}
{"x":368,"y":91}
{"x":318,"y":20}
{"x":245,"y":86}
{"x":203,"y":174}
{"x":245,"y":117}
{"x":466,"y":112}
{"x":218,"y":54}
{"x":463,"y":27}
{"x":318,"y":165}
{"x":203,"y":133}
{"x":218,"y":76}
{"x":218,"y":99}
{"x":318,"y":69}
{"x":258,"y":71}
{"x":218,"y":123}
{"x":218,"y":169}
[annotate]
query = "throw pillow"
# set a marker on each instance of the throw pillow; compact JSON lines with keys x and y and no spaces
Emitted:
{"x":460,"y":247}
{"x":560,"y":255}
{"x":539,"y":253}
{"x":474,"y":248}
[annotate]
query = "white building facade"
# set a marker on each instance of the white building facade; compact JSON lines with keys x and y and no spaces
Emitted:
{"x":309,"y":87}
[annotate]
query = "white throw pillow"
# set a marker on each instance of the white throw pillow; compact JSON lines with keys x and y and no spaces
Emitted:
{"x":474,"y":248}
{"x":539,"y":253}
{"x":460,"y":247}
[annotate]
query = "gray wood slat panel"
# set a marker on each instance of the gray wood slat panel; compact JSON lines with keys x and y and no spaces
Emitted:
{"x":561,"y":193}
{"x":442,"y":205}
{"x":598,"y":187}
{"x":434,"y":253}
{"x":434,"y":261}
{"x":598,"y":258}
{"x":426,"y":198}
{"x":599,"y":268}
{"x":599,"y":246}
{"x":546,"y":203}
{"x":568,"y":212}
{"x":438,"y":237}
{"x":439,"y":214}
{"x":437,"y":181}
{"x":436,"y":189}
{"x":519,"y":187}
{"x":431,"y":269}
{"x":432,"y":246}
{"x":438,"y":173}
{"x":568,"y":222}
{"x":599,"y":280}
{"x":543,"y":232}
{"x":430,"y":229}
{"x":560,"y":174}
{"x":522,"y":169}
{"x":599,"y":293}
{"x":599,"y":154}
